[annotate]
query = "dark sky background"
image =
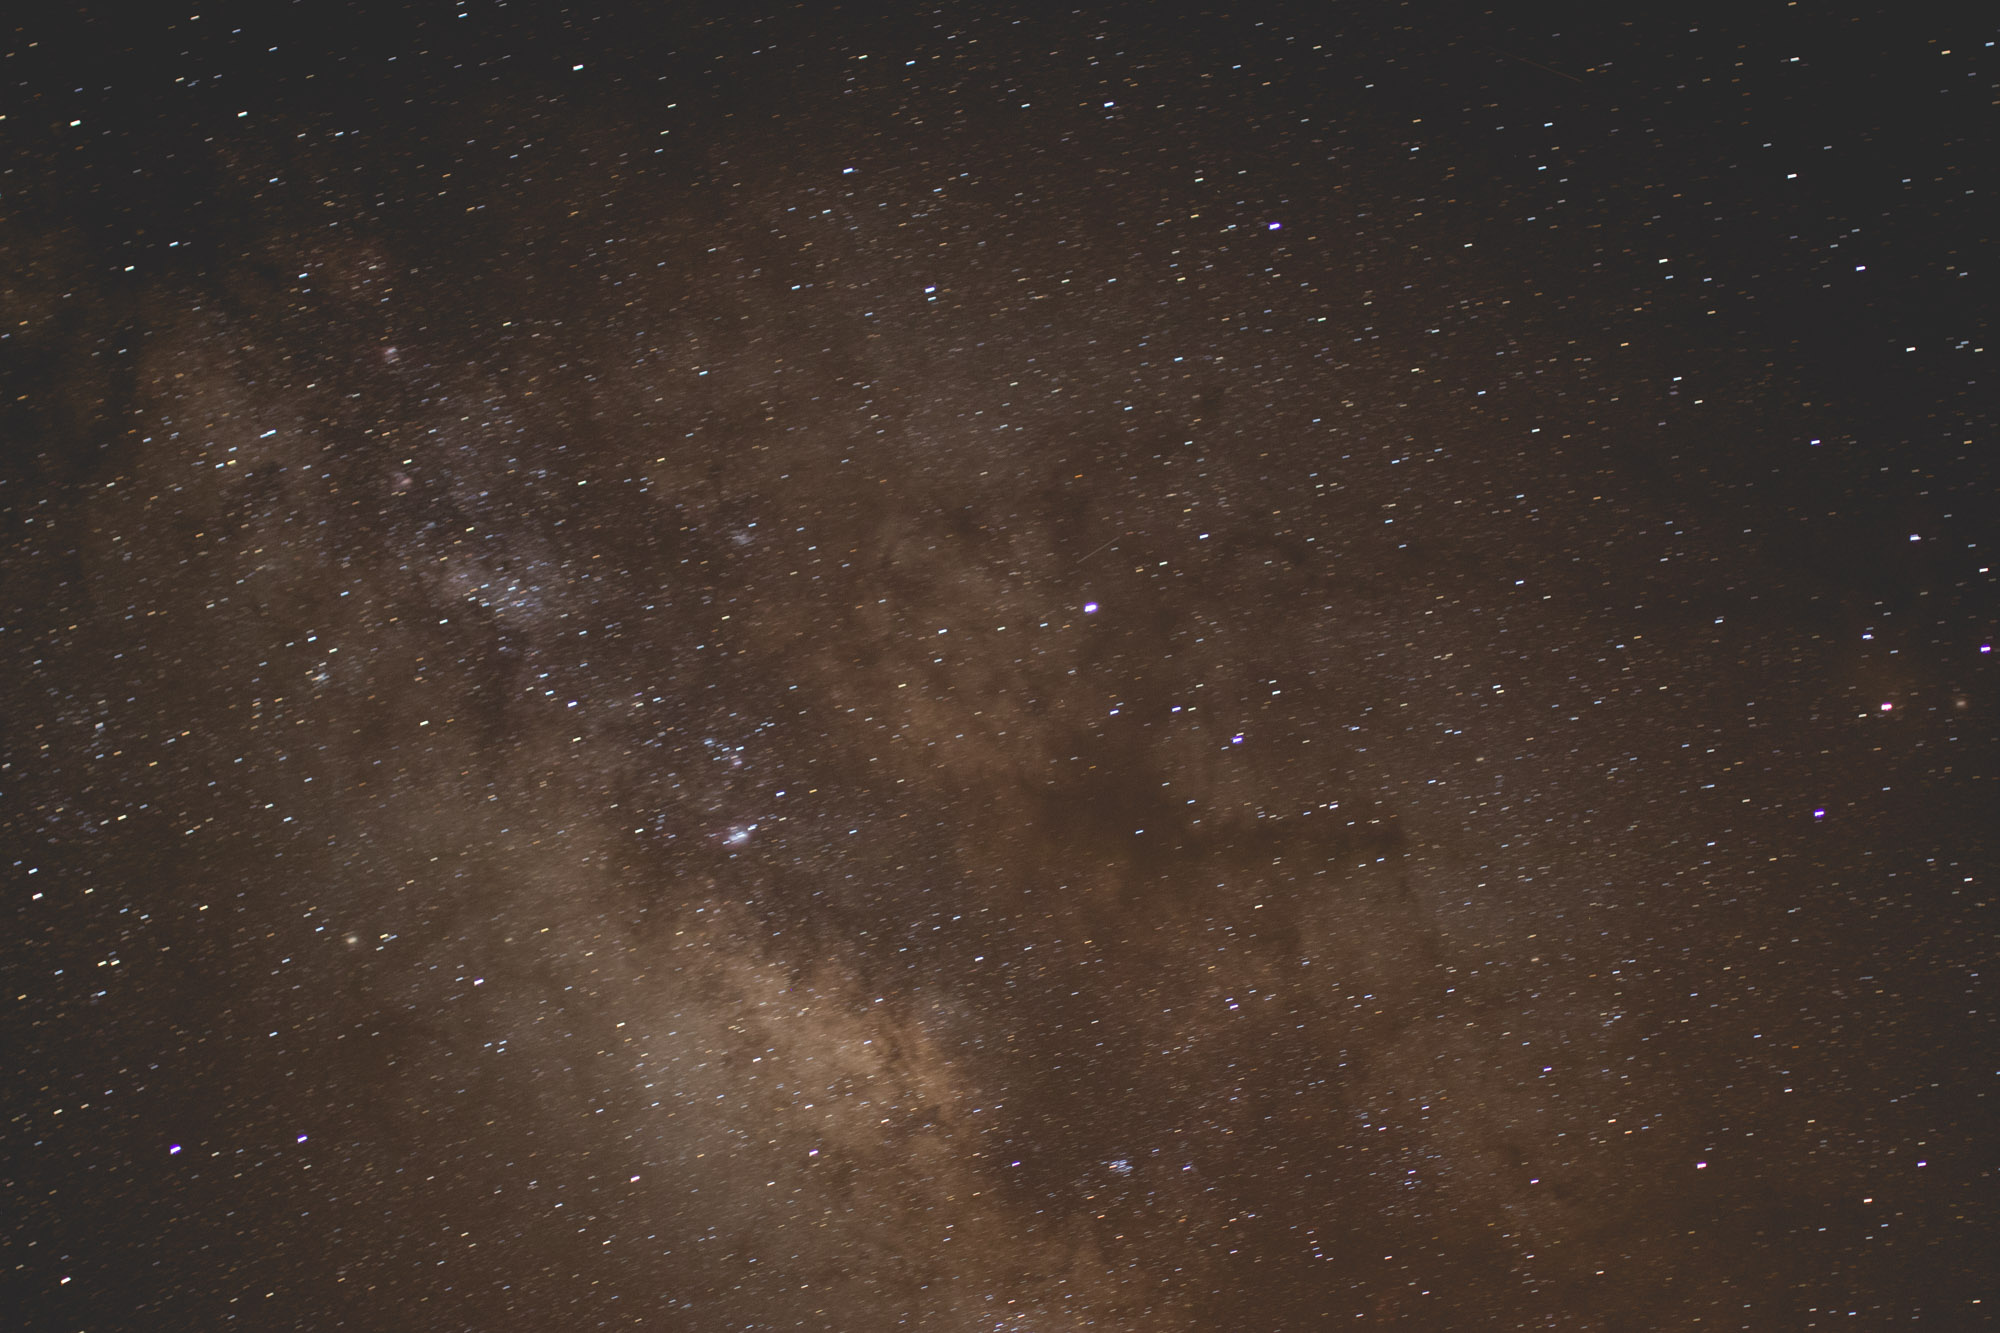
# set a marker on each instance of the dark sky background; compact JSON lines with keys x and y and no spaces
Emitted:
{"x":1137,"y":670}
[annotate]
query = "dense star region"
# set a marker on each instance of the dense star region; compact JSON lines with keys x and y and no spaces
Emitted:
{"x":997,"y":671}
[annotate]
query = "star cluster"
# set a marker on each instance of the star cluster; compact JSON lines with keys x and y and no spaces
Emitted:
{"x":989,"y":671}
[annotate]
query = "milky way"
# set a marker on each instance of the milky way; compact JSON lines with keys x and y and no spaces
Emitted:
{"x":995,"y":673}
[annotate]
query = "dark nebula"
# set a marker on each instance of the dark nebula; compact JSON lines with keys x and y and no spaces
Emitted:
{"x":1137,"y":670}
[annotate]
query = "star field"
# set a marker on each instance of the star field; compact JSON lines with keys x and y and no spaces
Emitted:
{"x":1133,"y":670}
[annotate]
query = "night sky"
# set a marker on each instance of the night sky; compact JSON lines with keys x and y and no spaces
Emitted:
{"x":998,"y":669}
